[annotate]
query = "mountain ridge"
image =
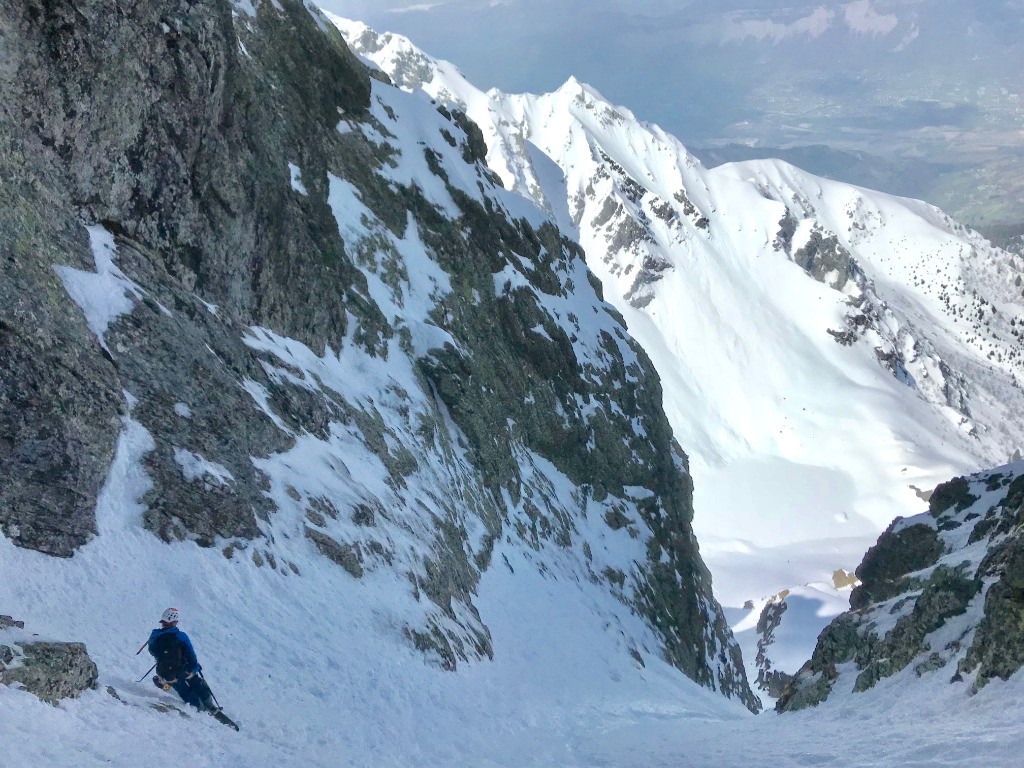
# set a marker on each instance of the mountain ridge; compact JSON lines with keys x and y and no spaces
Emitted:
{"x":817,"y":340}
{"x":832,"y":235}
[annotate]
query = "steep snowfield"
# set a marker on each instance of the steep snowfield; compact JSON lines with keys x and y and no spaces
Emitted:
{"x":316,"y":675}
{"x":314,"y":668}
{"x":311,"y":670}
{"x":741,"y":282}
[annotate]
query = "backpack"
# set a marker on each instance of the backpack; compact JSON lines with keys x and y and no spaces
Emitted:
{"x":171,"y":655}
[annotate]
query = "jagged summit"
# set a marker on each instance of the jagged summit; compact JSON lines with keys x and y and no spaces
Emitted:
{"x":577,"y":89}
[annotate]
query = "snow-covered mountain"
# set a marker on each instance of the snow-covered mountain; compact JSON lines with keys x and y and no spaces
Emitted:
{"x":926,"y":87}
{"x":912,"y":97}
{"x":279,"y":350}
{"x":829,"y":353}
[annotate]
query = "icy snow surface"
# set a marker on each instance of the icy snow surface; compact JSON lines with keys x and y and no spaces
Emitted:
{"x":296,"y":176}
{"x":195,"y":467}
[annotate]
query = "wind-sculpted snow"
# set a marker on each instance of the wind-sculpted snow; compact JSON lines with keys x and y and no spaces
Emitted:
{"x":828,"y":353}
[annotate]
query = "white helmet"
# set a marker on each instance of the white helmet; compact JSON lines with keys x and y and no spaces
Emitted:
{"x":170,"y":616}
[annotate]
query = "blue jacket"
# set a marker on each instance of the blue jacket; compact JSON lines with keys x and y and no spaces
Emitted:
{"x":191,"y":662}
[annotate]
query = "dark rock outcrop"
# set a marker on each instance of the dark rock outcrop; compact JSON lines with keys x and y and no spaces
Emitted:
{"x":823,"y":257}
{"x":769,"y":680}
{"x":899,"y":552}
{"x":60,"y":400}
{"x":926,"y":579}
{"x":50,"y":670}
{"x":6,"y":622}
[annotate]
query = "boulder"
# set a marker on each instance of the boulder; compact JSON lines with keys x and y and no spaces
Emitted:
{"x":51,"y":670}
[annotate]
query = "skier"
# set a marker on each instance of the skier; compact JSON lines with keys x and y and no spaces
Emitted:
{"x":177,"y":667}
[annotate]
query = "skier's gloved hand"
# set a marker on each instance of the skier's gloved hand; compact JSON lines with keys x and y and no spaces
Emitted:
{"x":160,"y":683}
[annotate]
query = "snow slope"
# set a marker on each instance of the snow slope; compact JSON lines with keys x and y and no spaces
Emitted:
{"x":829,"y":353}
{"x":315,"y":675}
{"x":310,"y":671}
{"x":316,"y":672}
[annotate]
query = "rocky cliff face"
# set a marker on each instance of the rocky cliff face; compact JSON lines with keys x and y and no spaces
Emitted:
{"x":941,"y":593}
{"x":770,"y":681}
{"x":149,"y":125}
{"x":296,"y":298}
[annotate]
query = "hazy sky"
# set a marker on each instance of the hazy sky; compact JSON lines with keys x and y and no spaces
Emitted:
{"x":868,"y":73}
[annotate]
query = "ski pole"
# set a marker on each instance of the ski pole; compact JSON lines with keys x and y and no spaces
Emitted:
{"x":146,"y":675}
{"x":212,"y":694}
{"x":142,"y":648}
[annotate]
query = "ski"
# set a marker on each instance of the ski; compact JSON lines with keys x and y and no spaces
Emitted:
{"x":222,"y":718}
